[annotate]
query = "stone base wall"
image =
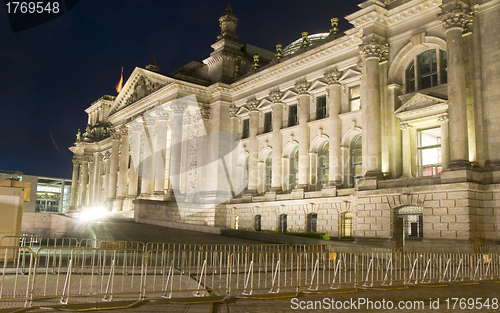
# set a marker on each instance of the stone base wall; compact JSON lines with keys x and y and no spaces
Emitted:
{"x":47,"y":224}
{"x":169,"y":211}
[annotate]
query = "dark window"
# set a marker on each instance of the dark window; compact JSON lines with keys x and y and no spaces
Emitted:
{"x":410,"y":77}
{"x":320,"y":107}
{"x":246,"y":128}
{"x":312,"y":222}
{"x":427,"y":69}
{"x":258,"y":219}
{"x":292,"y":115}
{"x":356,"y":160}
{"x":268,"y":122}
{"x":269,"y":171}
{"x":245,"y":174}
{"x":282,"y":223}
{"x":323,"y":165}
{"x":294,"y":168}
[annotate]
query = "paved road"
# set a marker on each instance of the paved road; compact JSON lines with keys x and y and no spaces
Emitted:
{"x":127,"y":229}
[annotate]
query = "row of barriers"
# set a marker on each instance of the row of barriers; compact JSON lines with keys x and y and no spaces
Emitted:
{"x":58,"y":275}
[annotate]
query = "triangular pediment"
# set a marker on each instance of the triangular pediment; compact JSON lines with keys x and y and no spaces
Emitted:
{"x":420,"y":101}
{"x":264,"y":103}
{"x":350,"y":74}
{"x":140,"y":84}
{"x":241,"y":109}
{"x":317,"y":85}
{"x":289,"y":94}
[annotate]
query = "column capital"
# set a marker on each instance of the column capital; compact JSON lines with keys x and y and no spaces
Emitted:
{"x":443,"y":118}
{"x":405,"y":126}
{"x":375,"y":49}
{"x":116,"y":134}
{"x":162,"y":115}
{"x":205,"y":111}
{"x":178,"y":107}
{"x":135,"y":126}
{"x":77,"y":160}
{"x":87,"y":158}
{"x":333,"y":77}
{"x":233,"y":110}
{"x":456,"y":14}
{"x":106,"y":156}
{"x":252,"y":105}
{"x":275,"y":96}
{"x":302,"y":87}
{"x":149,"y":121}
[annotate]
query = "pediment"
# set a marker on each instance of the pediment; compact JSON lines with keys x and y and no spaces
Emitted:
{"x":289,"y":94}
{"x":317,"y":85}
{"x":264,"y":103}
{"x":421,"y":101}
{"x":350,"y":74}
{"x":140,"y":84}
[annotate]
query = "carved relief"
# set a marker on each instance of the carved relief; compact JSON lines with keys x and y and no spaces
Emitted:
{"x":142,"y":88}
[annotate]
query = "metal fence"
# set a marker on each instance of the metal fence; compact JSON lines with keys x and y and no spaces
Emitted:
{"x":56,"y":271}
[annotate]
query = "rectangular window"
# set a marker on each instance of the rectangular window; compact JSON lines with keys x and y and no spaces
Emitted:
{"x":355,"y":98}
{"x":246,"y":128}
{"x":427,"y":66}
{"x":268,"y":122}
{"x":346,"y":225}
{"x":429,"y":151}
{"x":292,"y":115}
{"x":320,"y":107}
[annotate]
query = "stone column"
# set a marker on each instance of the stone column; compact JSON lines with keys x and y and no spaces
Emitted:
{"x":304,"y":103}
{"x":233,"y":166}
{"x":90,"y":187}
{"x":94,"y":179}
{"x":84,"y":177}
{"x":277,"y":140}
{"x":135,"y":153}
{"x":178,"y":108}
{"x":445,"y":142}
{"x":455,"y":17}
{"x":105,"y":183}
{"x":147,"y":149}
{"x":372,"y":136}
{"x":98,"y":179}
{"x":121,"y":192}
{"x":74,"y":181}
{"x":253,"y":146}
{"x":407,"y":148}
{"x":113,"y":165}
{"x":334,"y":124}
{"x":161,"y":152}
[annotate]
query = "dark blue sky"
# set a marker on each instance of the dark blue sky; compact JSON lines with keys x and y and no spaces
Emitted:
{"x":51,"y":73}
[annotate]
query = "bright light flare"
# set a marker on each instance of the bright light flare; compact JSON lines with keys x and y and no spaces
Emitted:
{"x":90,"y":214}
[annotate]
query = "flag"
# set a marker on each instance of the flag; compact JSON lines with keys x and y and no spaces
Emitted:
{"x":120,"y":83}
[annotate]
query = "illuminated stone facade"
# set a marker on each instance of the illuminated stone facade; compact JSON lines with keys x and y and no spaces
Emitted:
{"x":350,"y":133}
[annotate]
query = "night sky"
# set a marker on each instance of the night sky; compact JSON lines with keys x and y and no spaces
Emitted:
{"x":51,"y":73}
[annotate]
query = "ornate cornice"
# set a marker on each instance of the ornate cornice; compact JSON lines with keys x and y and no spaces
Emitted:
{"x":302,"y":87}
{"x":456,"y":14}
{"x":333,"y":77}
{"x":374,"y":49}
{"x":275,"y":96}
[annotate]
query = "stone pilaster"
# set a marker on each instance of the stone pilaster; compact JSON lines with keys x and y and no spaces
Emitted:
{"x":74,"y":182}
{"x":84,"y":177}
{"x":407,"y":149}
{"x":334,"y":127}
{"x":94,"y":179}
{"x":113,"y":165}
{"x":105,"y":183}
{"x":304,"y":103}
{"x":135,"y":153}
{"x":373,"y":52}
{"x":147,"y":146}
{"x":445,"y":141}
{"x":277,"y":142}
{"x":253,"y":146}
{"x":455,"y":17}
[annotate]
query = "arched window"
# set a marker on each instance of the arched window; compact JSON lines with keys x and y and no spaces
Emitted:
{"x":269,"y":171}
{"x":356,"y":160}
{"x":258,"y":219}
{"x":323,"y":165}
{"x":294,"y":168}
{"x":346,"y":225}
{"x":412,"y":221}
{"x":427,"y":70}
{"x":245,"y":174}
{"x":312,"y":222}
{"x":282,"y":223}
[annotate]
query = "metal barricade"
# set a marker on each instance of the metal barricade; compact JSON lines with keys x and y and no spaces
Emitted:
{"x":16,"y":266}
{"x":422,"y":268}
{"x":264,"y":273}
{"x":327,"y":270}
{"x":172,"y":246}
{"x":380,"y":269}
{"x":98,"y":274}
{"x":456,"y":267}
{"x":184,"y":274}
{"x":269,"y":248}
{"x":111,"y":244}
{"x":230,"y":248}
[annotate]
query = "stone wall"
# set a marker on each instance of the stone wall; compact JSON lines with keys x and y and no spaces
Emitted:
{"x":47,"y":224}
